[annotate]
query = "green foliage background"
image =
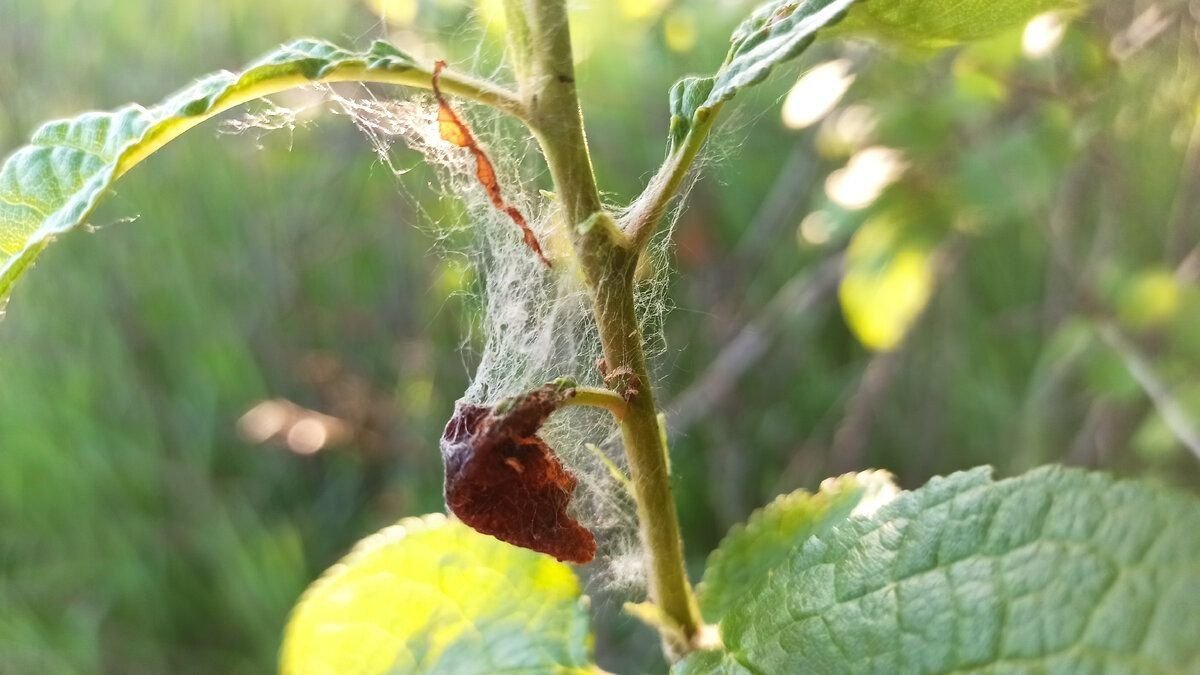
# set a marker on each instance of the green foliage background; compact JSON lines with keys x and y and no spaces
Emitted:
{"x":141,"y":533}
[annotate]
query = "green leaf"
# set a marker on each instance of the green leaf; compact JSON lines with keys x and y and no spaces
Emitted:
{"x":775,"y":32}
{"x":686,"y":98}
{"x":1056,"y":571}
{"x":750,"y":552}
{"x":939,"y":23}
{"x":431,"y":595}
{"x":780,"y":30}
{"x":713,"y":662}
{"x":50,"y":186}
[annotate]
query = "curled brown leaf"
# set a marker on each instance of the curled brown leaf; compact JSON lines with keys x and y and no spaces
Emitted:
{"x":505,"y":481}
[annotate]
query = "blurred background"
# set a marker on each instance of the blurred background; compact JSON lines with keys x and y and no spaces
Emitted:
{"x":895,"y":258}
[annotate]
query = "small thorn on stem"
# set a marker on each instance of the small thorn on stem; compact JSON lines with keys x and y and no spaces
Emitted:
{"x":627,"y":382}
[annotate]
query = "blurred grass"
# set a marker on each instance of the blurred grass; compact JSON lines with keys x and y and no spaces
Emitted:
{"x":143,"y":534}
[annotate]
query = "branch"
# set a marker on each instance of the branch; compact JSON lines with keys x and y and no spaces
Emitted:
{"x":452,"y":82}
{"x":648,"y":210}
{"x":86,"y":154}
{"x":750,"y":345}
{"x":595,"y":397}
{"x":540,"y":40}
{"x":1173,"y":413}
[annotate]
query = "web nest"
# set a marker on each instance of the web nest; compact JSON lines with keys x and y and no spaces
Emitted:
{"x":535,"y":319}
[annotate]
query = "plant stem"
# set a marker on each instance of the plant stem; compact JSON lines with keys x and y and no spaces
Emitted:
{"x":594,"y":397}
{"x":541,"y":41}
{"x":646,"y":451}
{"x":648,"y":210}
{"x":459,"y":84}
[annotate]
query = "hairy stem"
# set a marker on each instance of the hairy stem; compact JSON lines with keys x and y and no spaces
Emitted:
{"x":651,"y":206}
{"x":541,"y":41}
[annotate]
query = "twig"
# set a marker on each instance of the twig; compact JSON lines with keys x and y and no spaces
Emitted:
{"x":540,"y":40}
{"x":595,"y":397}
{"x":648,"y":210}
{"x":1172,"y":412}
{"x":791,"y":190}
{"x":850,"y":438}
{"x":750,"y":345}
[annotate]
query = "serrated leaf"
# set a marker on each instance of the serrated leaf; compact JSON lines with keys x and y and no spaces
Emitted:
{"x":713,"y":662}
{"x":749,"y":553}
{"x":939,"y":23}
{"x":431,"y":595}
{"x":1059,"y":570}
{"x":775,"y":32}
{"x":779,"y":30}
{"x":51,"y":185}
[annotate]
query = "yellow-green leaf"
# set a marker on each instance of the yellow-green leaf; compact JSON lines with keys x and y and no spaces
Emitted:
{"x":887,"y":283}
{"x":1151,"y":299}
{"x":431,"y":595}
{"x":749,"y":553}
{"x":939,"y":23}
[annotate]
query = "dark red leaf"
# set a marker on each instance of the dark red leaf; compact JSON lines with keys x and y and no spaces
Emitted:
{"x":503,"y":480}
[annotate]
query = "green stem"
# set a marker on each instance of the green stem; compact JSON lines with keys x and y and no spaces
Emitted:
{"x":541,"y":41}
{"x":594,"y":397}
{"x":648,"y":210}
{"x":451,"y":82}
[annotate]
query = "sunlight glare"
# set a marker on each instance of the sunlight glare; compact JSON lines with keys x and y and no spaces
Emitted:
{"x":307,"y":436}
{"x":263,"y":421}
{"x":868,"y":173}
{"x":1043,"y":34}
{"x":816,"y":93}
{"x":816,"y":229}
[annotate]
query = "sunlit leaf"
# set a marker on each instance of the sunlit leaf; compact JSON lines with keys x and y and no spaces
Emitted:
{"x":431,"y":595}
{"x":679,"y":30}
{"x":750,"y":552}
{"x":939,"y":23}
{"x":1059,"y":570}
{"x":1150,"y":299}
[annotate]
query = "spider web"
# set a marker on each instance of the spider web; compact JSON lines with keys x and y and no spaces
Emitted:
{"x":536,"y":321}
